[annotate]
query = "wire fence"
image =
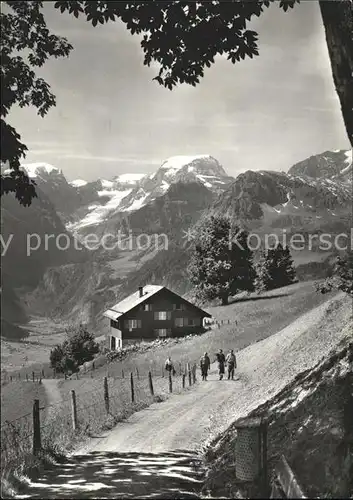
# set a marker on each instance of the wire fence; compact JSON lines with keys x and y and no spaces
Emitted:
{"x":107,"y":401}
{"x":25,"y":374}
{"x":29,"y":376}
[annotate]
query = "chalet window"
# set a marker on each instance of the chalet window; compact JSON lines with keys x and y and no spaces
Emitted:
{"x":132,"y":324}
{"x":179,"y":307}
{"x":162,"y":332}
{"x":146,"y":307}
{"x":179,"y":322}
{"x":114,"y":324}
{"x":162,"y":315}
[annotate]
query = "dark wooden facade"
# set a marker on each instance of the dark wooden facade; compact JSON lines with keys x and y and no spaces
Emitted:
{"x":164,"y":314}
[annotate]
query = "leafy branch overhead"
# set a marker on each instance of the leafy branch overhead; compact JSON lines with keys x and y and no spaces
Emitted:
{"x":183,"y":37}
{"x":26,"y":43}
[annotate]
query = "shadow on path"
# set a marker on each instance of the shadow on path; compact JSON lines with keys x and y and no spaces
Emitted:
{"x":174,"y":474}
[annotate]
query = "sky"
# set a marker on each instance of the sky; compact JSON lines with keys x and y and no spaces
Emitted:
{"x":111,"y":118}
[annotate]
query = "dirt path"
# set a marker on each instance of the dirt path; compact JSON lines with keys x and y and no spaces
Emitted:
{"x":189,"y":420}
{"x":165,"y":435}
{"x":53,"y":396}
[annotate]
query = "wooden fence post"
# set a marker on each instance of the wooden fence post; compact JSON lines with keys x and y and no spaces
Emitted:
{"x":122,"y":373}
{"x":36,"y":428}
{"x":33,"y":376}
{"x":74,"y":410}
{"x":150,"y":383}
{"x":106,"y":394}
{"x":184,"y":380}
{"x":162,"y":370}
{"x":132,"y":388}
{"x":189,"y":374}
{"x":10,"y":378}
{"x":194,"y":374}
{"x":170,"y":382}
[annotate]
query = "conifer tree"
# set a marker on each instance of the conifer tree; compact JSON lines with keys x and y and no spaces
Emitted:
{"x":276,"y":269}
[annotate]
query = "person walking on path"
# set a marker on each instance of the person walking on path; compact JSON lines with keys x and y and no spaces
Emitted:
{"x":205,"y":364}
{"x":169,"y":366}
{"x":221,"y":361}
{"x":231,"y":364}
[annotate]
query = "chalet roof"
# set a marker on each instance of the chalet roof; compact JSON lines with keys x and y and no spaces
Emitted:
{"x":111,"y":314}
{"x":134,"y":300}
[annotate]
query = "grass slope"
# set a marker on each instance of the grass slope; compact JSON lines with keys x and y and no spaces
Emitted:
{"x":310,"y":423}
{"x":257,"y":317}
{"x":17,"y":399}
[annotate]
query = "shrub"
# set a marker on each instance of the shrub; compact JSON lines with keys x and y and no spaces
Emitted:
{"x":77,"y":349}
{"x":342,"y":278}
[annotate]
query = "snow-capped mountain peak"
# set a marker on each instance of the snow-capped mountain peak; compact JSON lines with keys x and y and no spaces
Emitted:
{"x":196,"y":164}
{"x":35,"y":169}
{"x":78,"y":183}
{"x":202,"y":169}
{"x":129,"y":178}
{"x":175,"y":163}
{"x":107,"y":184}
{"x":103,"y":198}
{"x":335,"y":165}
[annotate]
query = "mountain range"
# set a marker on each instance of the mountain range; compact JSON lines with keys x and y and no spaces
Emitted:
{"x":315,"y":195}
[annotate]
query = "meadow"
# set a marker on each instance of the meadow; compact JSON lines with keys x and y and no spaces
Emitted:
{"x":252,"y":318}
{"x":17,"y":399}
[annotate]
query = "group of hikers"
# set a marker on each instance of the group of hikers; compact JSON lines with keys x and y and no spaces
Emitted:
{"x":205,"y":364}
{"x":230,"y":361}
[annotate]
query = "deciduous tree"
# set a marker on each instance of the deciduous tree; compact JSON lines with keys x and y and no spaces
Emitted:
{"x":26,"y":43}
{"x":221,"y":260}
